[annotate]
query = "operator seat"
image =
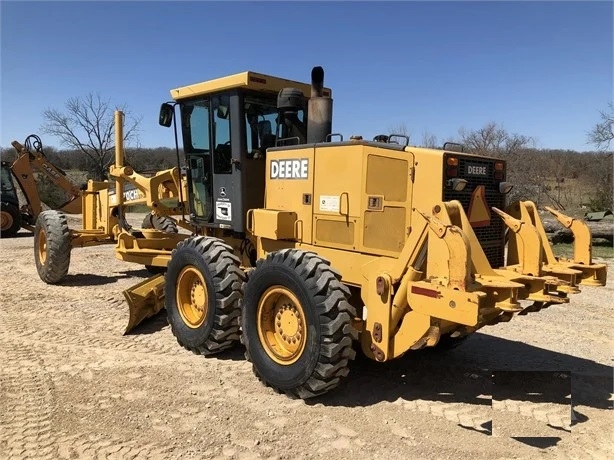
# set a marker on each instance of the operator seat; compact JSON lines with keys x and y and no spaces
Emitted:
{"x":267,"y":138}
{"x":295,"y":127}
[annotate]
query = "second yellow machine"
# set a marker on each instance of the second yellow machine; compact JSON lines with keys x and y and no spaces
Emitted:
{"x":304,"y":248}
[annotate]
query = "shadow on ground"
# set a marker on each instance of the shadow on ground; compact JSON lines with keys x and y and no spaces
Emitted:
{"x":538,"y":442}
{"x":91,"y":279}
{"x":159,"y":322}
{"x":22,"y":234}
{"x":151,"y":325}
{"x":464,"y":375}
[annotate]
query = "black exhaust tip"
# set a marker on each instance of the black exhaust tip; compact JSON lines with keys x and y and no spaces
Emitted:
{"x":317,"y":81}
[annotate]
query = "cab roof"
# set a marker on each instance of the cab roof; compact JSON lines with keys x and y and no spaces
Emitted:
{"x":247,"y":80}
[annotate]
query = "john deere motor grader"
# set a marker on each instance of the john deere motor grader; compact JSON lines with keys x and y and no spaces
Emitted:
{"x":303,"y":248}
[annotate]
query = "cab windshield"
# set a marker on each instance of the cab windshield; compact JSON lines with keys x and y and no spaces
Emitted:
{"x":6,"y":179}
{"x":261,"y":124}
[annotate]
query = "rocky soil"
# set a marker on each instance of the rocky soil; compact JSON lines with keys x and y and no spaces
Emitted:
{"x":72,"y":386}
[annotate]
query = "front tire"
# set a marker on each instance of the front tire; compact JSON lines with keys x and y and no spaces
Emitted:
{"x":162,"y":223}
{"x":297,"y":324}
{"x":11,"y":220}
{"x":52,"y":246}
{"x":204,"y":288}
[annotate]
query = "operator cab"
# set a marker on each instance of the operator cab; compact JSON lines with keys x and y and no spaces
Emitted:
{"x":226,"y":127}
{"x":7,"y":186}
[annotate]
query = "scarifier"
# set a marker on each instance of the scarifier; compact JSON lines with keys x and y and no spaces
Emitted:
{"x":307,"y":249}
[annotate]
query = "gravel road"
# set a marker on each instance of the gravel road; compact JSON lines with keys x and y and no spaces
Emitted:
{"x":72,"y":386}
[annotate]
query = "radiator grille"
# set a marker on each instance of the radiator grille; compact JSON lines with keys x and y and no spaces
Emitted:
{"x":491,"y":237}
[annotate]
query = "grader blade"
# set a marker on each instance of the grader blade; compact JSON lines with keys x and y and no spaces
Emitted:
{"x":145,"y":300}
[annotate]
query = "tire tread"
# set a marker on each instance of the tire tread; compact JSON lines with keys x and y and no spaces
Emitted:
{"x":228,"y":281}
{"x":335,"y":316}
{"x":17,"y":220}
{"x":59,"y":247}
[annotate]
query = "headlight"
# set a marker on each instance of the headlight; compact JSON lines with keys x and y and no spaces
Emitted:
{"x":505,"y":187}
{"x":458,"y":185}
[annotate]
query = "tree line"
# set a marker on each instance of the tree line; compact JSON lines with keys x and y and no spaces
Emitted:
{"x":551,"y":177}
{"x":555,"y":177}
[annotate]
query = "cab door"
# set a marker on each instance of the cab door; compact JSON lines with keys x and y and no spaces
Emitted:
{"x":197,"y":146}
{"x":225,"y":161}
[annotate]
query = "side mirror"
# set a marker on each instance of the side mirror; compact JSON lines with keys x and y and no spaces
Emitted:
{"x":222,"y":112}
{"x":166,"y":115}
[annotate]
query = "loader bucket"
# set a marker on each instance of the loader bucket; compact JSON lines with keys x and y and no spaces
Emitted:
{"x":145,"y":300}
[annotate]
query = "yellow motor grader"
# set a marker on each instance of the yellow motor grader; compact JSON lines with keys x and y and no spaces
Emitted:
{"x":305,"y":249}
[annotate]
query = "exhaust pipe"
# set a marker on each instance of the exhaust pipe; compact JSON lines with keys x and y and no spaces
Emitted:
{"x":319,"y":111}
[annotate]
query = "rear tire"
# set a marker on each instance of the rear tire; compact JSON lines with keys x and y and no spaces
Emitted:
{"x":203,"y":291}
{"x":11,"y":220}
{"x":52,"y":246}
{"x":297,"y":324}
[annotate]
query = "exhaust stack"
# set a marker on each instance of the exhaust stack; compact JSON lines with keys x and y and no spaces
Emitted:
{"x":320,"y":110}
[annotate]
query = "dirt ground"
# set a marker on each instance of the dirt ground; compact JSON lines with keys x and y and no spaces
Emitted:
{"x":72,"y":386}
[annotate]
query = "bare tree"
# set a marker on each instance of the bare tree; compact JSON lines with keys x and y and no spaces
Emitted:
{"x":494,"y":140}
{"x":602,"y":136}
{"x":400,"y":129}
{"x":87,"y":124}
{"x":602,"y":133}
{"x":429,"y":140}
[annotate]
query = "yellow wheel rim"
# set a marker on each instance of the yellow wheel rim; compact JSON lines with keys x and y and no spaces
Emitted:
{"x":6,"y":220}
{"x":282,"y":328}
{"x":42,"y":246}
{"x":192,"y":297}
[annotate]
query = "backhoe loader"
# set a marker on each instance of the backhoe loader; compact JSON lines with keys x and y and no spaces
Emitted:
{"x":30,"y":157}
{"x":308,"y":250}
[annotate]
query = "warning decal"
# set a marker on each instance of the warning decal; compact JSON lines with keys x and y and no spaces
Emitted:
{"x":329,"y":203}
{"x":223,"y":210}
{"x":479,"y":212}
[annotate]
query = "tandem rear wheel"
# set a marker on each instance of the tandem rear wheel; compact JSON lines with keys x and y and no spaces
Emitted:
{"x":292,"y":315}
{"x":297,"y":324}
{"x":203,"y":291}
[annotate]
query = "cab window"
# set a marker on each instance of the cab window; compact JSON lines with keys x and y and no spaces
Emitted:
{"x":222,"y":155}
{"x":195,"y":125}
{"x":261,"y":125}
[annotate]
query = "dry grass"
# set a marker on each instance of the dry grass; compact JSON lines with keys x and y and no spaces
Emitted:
{"x":601,"y":251}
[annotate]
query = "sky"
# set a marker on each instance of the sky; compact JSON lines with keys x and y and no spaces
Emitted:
{"x":540,"y":69}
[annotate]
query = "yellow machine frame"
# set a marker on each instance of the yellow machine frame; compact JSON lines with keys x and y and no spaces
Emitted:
{"x":412,"y":267}
{"x":437,"y":280}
